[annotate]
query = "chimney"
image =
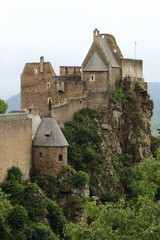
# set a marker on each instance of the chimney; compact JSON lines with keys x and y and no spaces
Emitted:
{"x":41,"y":64}
{"x":95,"y":35}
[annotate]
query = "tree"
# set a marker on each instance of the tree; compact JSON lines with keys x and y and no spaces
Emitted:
{"x":3,"y":106}
{"x":118,"y":221}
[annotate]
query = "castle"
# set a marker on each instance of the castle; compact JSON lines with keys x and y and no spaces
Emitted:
{"x":47,"y":99}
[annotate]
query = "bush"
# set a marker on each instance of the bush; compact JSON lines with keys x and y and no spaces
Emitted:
{"x":56,"y":217}
{"x":92,"y":159}
{"x":5,"y":232}
{"x":38,"y":231}
{"x":110,"y":197}
{"x":18,"y":217}
{"x":34,"y":201}
{"x":15,"y":191}
{"x":15,"y":174}
{"x":20,"y":236}
{"x":3,"y":106}
{"x":80,"y":179}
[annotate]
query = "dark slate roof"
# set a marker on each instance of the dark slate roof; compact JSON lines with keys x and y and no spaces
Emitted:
{"x":49,"y":134}
{"x":95,"y":64}
{"x":108,"y":53}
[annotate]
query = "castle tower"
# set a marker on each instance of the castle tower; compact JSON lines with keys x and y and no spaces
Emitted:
{"x":36,"y":86}
{"x":101,"y":66}
{"x":49,"y":148}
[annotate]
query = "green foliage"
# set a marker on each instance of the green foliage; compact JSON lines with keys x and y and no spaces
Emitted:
{"x":155,"y":144}
{"x":85,"y":113}
{"x":20,"y":236}
{"x":110,"y":197}
{"x":56,"y":217}
{"x":92,"y":159}
{"x":14,"y":173}
{"x":5,"y":231}
{"x":14,"y":189}
{"x":127,"y":159}
{"x":118,"y":221}
{"x":39,"y":231}
{"x":3,"y":106}
{"x":143,"y":188}
{"x":80,"y":179}
{"x":5,"y":205}
{"x":67,"y":170}
{"x":34,"y":201}
{"x":18,"y":217}
{"x":119,"y":94}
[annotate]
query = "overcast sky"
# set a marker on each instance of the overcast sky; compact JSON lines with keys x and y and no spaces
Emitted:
{"x":62,"y":32}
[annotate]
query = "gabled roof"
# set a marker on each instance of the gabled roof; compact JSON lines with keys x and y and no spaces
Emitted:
{"x":101,"y":53}
{"x":108,"y":53}
{"x":95,"y":64}
{"x":49,"y":134}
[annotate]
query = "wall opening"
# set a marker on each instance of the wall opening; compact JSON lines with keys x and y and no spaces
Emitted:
{"x":49,"y":103}
{"x":48,"y":85}
{"x":60,"y":157}
{"x":92,"y":78}
{"x":40,"y":154}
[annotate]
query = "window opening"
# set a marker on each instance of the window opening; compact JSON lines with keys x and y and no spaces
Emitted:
{"x":92,"y":78}
{"x":60,"y":157}
{"x":40,"y":154}
{"x":48,"y":85}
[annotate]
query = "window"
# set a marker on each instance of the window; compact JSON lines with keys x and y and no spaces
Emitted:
{"x":48,"y":85}
{"x":92,"y":78}
{"x":35,"y":71}
{"x":60,"y":157}
{"x":40,"y":154}
{"x":49,"y":103}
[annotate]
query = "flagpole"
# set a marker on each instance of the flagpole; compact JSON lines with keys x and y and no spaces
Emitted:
{"x":135,"y":50}
{"x":135,"y":53}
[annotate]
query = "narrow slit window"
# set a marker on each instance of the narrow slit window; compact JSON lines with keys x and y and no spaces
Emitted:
{"x":92,"y":78}
{"x":40,"y":154}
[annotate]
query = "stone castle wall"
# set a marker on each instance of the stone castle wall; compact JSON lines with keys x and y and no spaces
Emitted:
{"x":96,"y":81}
{"x":65,"y":112}
{"x":132,"y":68}
{"x":15,"y":143}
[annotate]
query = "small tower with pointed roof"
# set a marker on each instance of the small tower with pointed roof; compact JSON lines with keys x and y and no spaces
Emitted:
{"x":49,"y":148}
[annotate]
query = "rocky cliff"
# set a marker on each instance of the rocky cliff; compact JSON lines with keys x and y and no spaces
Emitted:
{"x":107,"y":144}
{"x":104,"y":143}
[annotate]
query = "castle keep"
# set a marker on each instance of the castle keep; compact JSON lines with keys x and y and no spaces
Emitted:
{"x":47,"y":99}
{"x":77,"y":87}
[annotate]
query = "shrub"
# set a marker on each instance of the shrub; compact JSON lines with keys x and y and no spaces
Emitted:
{"x":56,"y":217}
{"x":18,"y":217}
{"x":3,"y":106}
{"x":15,"y":174}
{"x":15,"y":191}
{"x":20,"y":236}
{"x":80,"y":179}
{"x":92,"y":159}
{"x":110,"y":197}
{"x":38,"y":231}
{"x":5,"y":232}
{"x":34,"y":201}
